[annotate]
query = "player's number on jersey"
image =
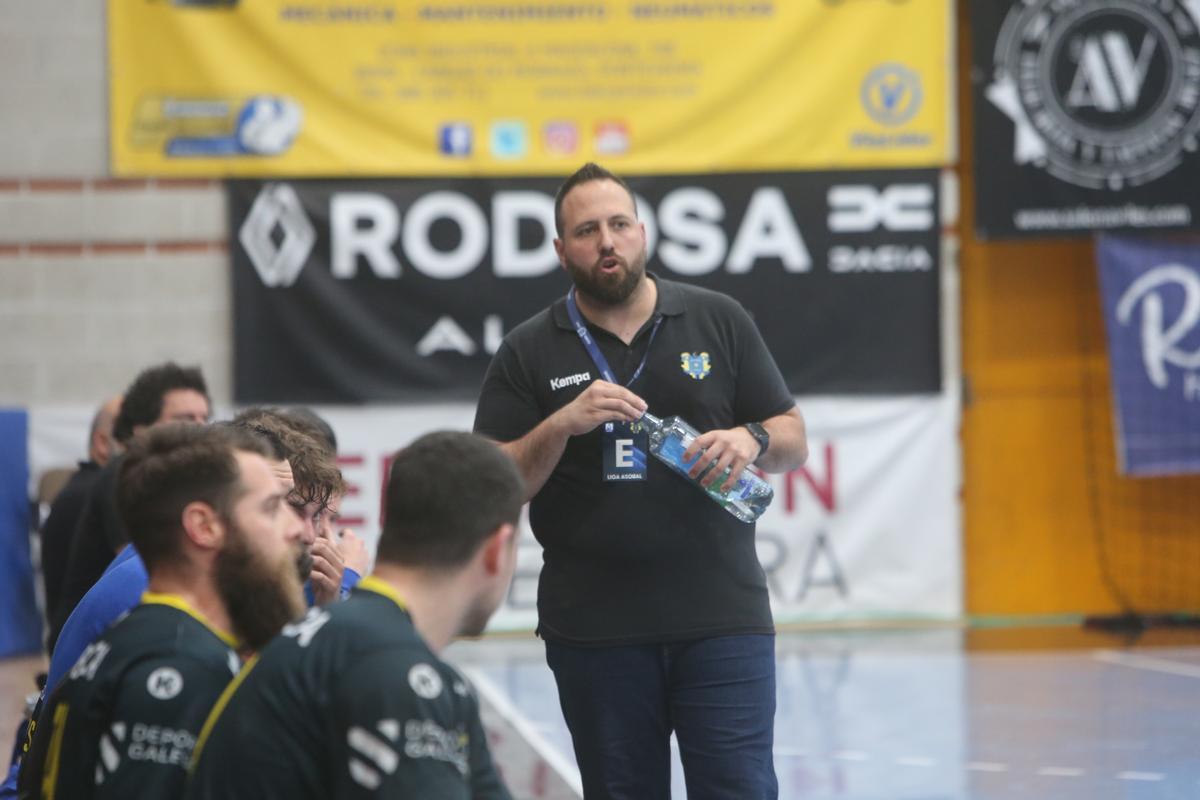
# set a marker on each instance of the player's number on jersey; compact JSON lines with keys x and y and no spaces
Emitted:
{"x":89,"y":660}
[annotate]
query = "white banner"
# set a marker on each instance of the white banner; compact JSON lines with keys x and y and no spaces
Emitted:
{"x":867,"y":530}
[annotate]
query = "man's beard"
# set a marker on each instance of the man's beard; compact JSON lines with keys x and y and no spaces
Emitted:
{"x":608,"y":290}
{"x":261,"y":598}
{"x":304,"y":563}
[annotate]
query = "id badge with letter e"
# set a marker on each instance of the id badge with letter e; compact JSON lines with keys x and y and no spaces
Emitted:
{"x":625,"y":446}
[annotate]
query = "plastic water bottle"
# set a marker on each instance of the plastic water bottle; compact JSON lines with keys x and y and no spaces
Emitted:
{"x":671,"y":437}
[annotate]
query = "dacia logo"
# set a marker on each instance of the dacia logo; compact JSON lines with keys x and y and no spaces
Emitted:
{"x":277,"y":235}
{"x":860,"y":208}
{"x":891,"y":94}
{"x":696,"y":365}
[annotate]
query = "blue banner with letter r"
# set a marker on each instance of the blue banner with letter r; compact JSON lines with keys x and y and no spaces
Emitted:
{"x":1151,"y":296}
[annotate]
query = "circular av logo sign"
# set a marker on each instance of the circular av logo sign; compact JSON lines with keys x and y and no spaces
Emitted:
{"x":1102,"y":93}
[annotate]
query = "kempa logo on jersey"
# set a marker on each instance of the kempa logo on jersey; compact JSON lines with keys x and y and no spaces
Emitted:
{"x":1161,"y":339}
{"x":569,"y":380}
{"x":425,"y":681}
{"x":1101,"y":93}
{"x":164,"y":683}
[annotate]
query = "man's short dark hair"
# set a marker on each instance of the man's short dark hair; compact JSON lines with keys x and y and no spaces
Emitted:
{"x":143,"y":402}
{"x":172,"y":465}
{"x":585,"y":174}
{"x":446,"y":492}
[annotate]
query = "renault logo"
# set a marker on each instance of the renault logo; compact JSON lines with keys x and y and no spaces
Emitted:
{"x":277,"y":235}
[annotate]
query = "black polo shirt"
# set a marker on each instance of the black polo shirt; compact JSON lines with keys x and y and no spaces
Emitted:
{"x":640,"y":561}
{"x":99,"y":535}
{"x":59,"y":530}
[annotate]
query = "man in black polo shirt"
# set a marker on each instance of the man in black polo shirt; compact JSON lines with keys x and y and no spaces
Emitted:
{"x":211,"y":521}
{"x":353,"y":701}
{"x":652,"y":602}
{"x":162,"y":393}
{"x":59,"y":528}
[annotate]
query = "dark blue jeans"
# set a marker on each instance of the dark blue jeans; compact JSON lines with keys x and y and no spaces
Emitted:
{"x":717,"y":695}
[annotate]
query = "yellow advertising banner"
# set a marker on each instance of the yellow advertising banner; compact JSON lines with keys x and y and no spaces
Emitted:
{"x":392,"y":88}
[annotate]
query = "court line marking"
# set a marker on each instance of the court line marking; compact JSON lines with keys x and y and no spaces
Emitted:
{"x":1130,"y":775}
{"x":505,"y":708}
{"x":1149,"y":663}
{"x":986,"y":766}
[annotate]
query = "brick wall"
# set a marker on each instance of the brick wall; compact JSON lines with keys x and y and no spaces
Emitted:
{"x":98,"y":277}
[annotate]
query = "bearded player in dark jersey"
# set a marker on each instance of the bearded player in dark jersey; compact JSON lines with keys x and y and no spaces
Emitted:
{"x":353,"y":701}
{"x":210,"y":519}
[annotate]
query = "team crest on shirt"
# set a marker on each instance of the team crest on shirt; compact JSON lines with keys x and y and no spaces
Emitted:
{"x":696,"y":365}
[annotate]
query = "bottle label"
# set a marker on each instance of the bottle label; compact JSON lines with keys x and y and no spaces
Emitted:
{"x":625,"y":445}
{"x":672,"y":452}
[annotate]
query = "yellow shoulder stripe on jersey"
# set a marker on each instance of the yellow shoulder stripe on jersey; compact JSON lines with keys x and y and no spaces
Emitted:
{"x":373,"y":584}
{"x":218,"y":709}
{"x":54,"y":753}
{"x":175,"y":601}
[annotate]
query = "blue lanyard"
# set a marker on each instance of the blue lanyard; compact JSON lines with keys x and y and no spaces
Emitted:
{"x":593,"y":349}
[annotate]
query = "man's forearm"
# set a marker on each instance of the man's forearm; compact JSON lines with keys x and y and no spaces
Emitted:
{"x":789,"y":443}
{"x":537,"y":453}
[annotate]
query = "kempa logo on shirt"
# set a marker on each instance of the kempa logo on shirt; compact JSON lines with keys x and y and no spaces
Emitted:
{"x":569,"y":380}
{"x":164,"y":683}
{"x":425,"y":681}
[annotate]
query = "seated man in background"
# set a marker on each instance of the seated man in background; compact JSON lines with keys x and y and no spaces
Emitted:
{"x":210,"y":520}
{"x":59,"y":528}
{"x":353,"y":701}
{"x":163,"y":393}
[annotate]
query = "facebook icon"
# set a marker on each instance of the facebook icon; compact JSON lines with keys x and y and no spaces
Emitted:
{"x":454,"y":139}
